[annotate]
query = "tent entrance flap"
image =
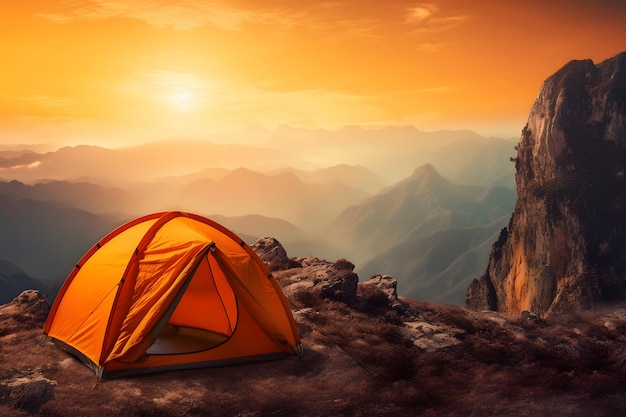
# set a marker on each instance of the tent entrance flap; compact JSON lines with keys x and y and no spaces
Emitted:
{"x":202,"y":316}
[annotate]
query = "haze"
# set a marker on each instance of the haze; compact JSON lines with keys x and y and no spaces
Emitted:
{"x":378,"y":132}
{"x":115,"y":73}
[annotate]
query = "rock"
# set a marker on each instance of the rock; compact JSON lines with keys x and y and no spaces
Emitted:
{"x":481,"y":296}
{"x":32,"y":302}
{"x":273,"y":254}
{"x":431,"y":337}
{"x":529,"y":316}
{"x":387,"y":285}
{"x":320,"y":278}
{"x":565,"y":246}
{"x":341,"y":282}
{"x":28,"y":391}
{"x":27,"y":310}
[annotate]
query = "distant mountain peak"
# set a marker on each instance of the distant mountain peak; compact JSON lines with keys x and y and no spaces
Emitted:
{"x":427,"y":176}
{"x":426,"y":169}
{"x":7,"y":267}
{"x":245,"y":174}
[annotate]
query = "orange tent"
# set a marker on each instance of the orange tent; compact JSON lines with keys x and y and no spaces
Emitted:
{"x":171,"y":290}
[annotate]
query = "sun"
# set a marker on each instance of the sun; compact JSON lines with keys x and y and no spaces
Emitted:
{"x":183,"y":101}
{"x":174,"y":91}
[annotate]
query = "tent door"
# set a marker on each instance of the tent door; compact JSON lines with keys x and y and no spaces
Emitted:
{"x":198,"y":318}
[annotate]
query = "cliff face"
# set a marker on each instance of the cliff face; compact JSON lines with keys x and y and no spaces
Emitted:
{"x":565,"y":246}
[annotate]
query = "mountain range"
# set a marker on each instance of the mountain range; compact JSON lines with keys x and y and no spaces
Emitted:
{"x":393,"y":232}
{"x":391,"y":153}
{"x":261,"y":182}
{"x":45,"y":239}
{"x":430,"y":234}
{"x":13,"y":280}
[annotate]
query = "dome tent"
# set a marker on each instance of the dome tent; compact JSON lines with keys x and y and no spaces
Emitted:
{"x":171,"y":290}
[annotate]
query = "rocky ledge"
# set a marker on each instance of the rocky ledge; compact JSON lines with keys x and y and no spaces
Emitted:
{"x":368,"y":352}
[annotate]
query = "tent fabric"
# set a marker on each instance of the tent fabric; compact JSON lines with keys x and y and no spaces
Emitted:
{"x":171,"y":290}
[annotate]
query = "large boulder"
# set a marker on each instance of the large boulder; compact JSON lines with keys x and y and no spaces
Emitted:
{"x":26,"y":311}
{"x":273,"y":254}
{"x":386,"y":285}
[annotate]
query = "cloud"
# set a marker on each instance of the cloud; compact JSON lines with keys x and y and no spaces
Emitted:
{"x":325,"y":108}
{"x":430,"y":46}
{"x":325,"y":18}
{"x":222,"y":104}
{"x":428,"y":17}
{"x":178,"y":15}
{"x":193,"y":14}
{"x":439,"y":89}
{"x":420,"y":12}
{"x":41,"y":100}
{"x":55,"y":17}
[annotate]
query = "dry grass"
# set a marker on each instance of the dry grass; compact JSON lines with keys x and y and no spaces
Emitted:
{"x":357,"y":363}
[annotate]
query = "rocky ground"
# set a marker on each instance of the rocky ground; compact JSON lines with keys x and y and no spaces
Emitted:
{"x":367,"y":353}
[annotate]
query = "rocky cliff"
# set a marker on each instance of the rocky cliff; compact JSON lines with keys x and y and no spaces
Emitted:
{"x":565,"y":245}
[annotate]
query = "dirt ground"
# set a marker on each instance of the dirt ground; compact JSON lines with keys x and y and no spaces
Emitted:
{"x":418,"y":359}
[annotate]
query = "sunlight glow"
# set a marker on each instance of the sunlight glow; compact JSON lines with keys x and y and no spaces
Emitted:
{"x":176,"y":91}
{"x":165,"y":68}
{"x":184,"y":101}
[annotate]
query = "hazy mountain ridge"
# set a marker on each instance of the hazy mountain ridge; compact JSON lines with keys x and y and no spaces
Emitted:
{"x":391,"y":153}
{"x":295,"y":204}
{"x":13,"y":280}
{"x":17,"y":158}
{"x":394,"y":152}
{"x":142,"y":162}
{"x":82,"y":195}
{"x":45,"y":239}
{"x":425,"y":200}
{"x":281,"y":195}
{"x":234,"y":193}
{"x":430,"y":234}
{"x":479,"y":161}
{"x":355,"y":176}
{"x":419,"y":212}
{"x":386,"y":216}
{"x":440,"y":266}
{"x":421,"y":204}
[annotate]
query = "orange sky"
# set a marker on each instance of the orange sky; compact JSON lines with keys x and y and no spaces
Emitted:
{"x":111,"y":72}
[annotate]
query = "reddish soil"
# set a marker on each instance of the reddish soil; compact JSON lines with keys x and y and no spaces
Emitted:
{"x":369,"y":360}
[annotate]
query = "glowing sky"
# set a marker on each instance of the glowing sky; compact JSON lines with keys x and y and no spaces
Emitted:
{"x":117,"y":71}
